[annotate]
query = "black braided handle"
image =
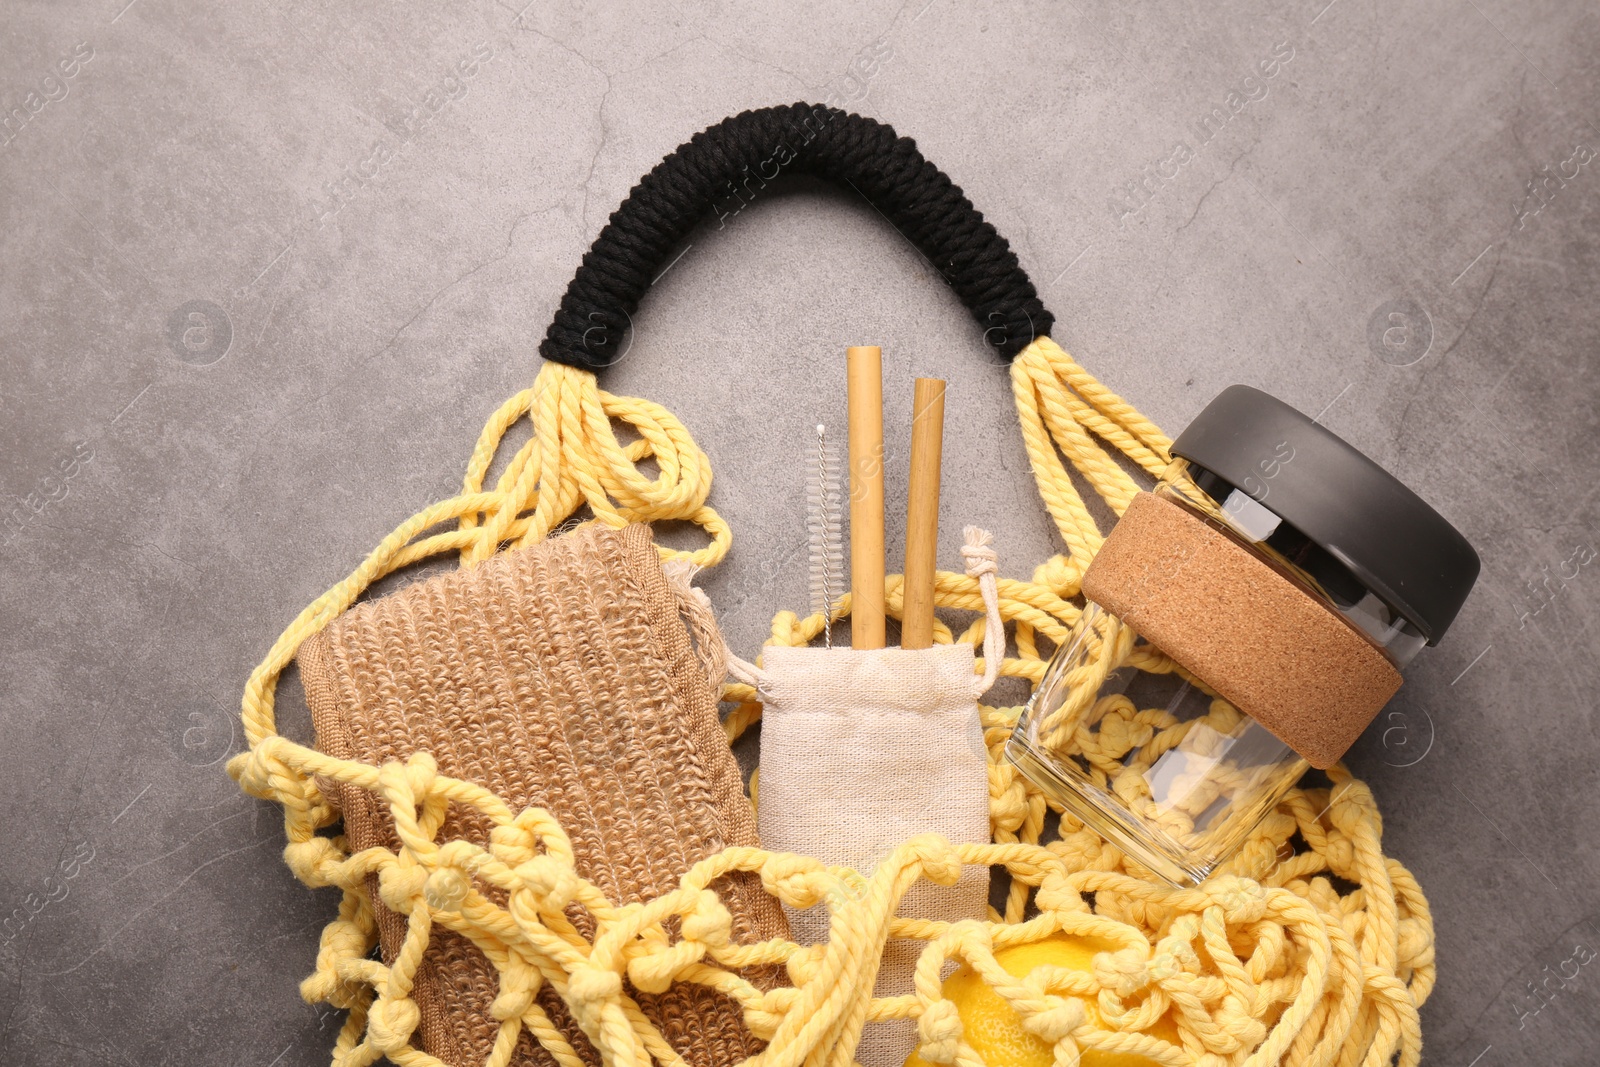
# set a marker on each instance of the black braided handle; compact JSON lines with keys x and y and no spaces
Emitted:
{"x":739,"y":155}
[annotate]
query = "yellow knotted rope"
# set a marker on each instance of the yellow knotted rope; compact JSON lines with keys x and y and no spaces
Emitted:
{"x":1266,"y":963}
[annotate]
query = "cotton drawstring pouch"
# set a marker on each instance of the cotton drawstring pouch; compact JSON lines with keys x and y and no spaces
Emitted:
{"x":863,"y":749}
{"x":1309,"y":948}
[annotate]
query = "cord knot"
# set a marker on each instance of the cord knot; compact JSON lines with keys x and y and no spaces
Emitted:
{"x":710,"y":923}
{"x":420,"y":771}
{"x":983,"y":564}
{"x":980,"y":558}
{"x":515,"y":842}
{"x":314,"y":861}
{"x":1057,"y":895}
{"x":1174,"y":957}
{"x":940,"y":1030}
{"x":401,"y":883}
{"x":940,"y":863}
{"x":391,"y":1024}
{"x":1124,"y":972}
{"x":517,"y":990}
{"x":790,"y":878}
{"x":551,"y":881}
{"x":1057,"y":1022}
{"x":446,"y":888}
{"x":258,"y":772}
{"x":591,"y":987}
{"x":1243,"y":900}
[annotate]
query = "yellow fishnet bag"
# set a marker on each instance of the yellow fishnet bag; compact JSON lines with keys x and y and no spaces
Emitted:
{"x":1342,"y":975}
{"x":1265,"y":963}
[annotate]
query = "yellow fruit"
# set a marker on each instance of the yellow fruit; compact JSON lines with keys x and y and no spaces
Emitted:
{"x":995,"y":1031}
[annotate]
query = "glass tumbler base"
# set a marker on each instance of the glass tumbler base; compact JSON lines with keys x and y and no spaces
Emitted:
{"x":1182,"y":867}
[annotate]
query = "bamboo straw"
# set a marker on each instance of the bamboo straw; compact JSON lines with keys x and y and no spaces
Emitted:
{"x":922,"y":513}
{"x":865,"y":363}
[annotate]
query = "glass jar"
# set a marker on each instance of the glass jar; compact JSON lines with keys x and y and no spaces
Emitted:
{"x":1245,"y":621}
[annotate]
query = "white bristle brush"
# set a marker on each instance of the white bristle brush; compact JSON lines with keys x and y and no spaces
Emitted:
{"x":825,"y":531}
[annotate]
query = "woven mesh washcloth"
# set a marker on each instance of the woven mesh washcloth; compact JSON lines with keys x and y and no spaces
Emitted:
{"x":560,"y":676}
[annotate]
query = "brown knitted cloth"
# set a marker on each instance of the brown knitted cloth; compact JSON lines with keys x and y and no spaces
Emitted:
{"x":559,"y":676}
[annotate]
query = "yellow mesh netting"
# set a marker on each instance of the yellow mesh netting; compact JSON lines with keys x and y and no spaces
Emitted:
{"x":1270,"y":961}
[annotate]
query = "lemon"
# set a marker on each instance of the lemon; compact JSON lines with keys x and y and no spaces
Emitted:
{"x":995,"y":1031}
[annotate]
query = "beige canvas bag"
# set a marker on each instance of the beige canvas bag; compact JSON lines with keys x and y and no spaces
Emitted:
{"x":863,"y":749}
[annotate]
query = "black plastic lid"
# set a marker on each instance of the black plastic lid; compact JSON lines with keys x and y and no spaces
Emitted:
{"x":1388,"y":536}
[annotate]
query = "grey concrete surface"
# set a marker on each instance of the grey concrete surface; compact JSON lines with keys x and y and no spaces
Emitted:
{"x":267,"y":268}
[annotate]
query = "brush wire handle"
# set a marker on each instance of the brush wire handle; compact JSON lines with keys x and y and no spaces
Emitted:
{"x":740,"y":155}
{"x":825,"y":530}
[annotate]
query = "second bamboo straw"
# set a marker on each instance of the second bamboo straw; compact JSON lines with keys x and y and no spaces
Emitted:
{"x":922,"y":513}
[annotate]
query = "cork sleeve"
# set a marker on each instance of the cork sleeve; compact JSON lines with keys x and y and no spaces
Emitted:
{"x":1263,"y":643}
